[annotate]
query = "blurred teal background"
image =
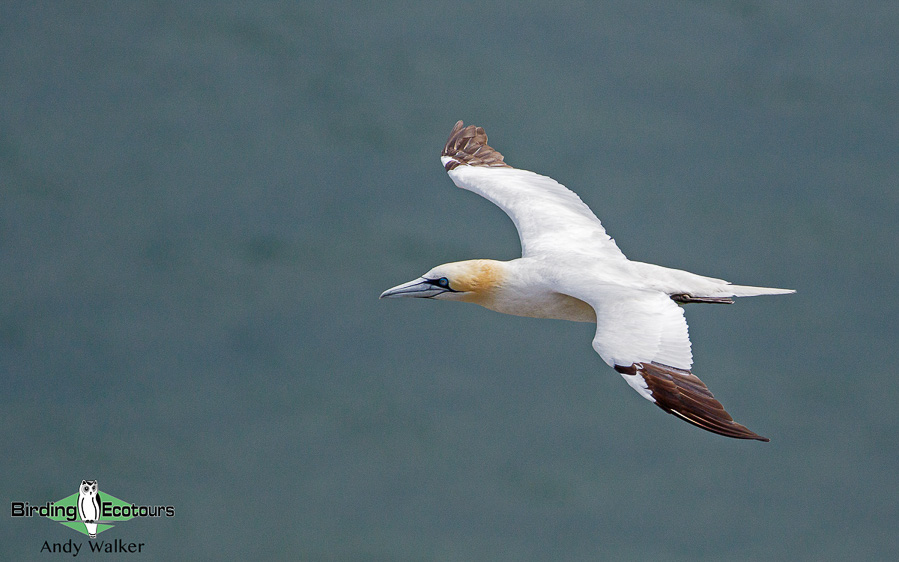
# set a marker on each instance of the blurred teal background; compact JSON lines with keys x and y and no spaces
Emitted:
{"x":201,"y":202}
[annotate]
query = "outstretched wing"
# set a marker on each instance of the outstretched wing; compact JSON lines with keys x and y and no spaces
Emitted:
{"x":549,"y":217}
{"x":643,"y":335}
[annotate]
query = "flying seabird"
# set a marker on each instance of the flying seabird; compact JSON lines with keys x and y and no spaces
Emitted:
{"x":570,"y":269}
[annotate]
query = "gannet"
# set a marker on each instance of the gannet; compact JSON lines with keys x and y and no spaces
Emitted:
{"x":570,"y":269}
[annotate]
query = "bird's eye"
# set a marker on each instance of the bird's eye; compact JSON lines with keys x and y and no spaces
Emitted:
{"x":443,"y":282}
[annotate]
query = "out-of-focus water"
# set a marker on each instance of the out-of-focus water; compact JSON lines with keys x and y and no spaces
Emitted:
{"x":200,"y":203}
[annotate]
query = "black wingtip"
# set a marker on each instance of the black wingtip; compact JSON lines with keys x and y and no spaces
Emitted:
{"x":468,"y":146}
{"x":680,"y":393}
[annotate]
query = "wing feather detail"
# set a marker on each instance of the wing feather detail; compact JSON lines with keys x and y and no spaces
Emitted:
{"x":549,"y":217}
{"x":682,"y":394}
{"x":468,"y":146}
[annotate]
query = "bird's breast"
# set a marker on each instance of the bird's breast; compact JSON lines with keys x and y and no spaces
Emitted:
{"x":548,"y":304}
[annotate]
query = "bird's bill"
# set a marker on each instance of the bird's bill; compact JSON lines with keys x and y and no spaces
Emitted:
{"x":420,"y":287}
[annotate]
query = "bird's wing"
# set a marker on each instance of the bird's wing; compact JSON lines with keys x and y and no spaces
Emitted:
{"x":549,"y":217}
{"x":635,"y":325}
{"x":643,"y":335}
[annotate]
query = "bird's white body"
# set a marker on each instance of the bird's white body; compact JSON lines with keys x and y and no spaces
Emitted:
{"x":571,"y":269}
{"x":531,"y":286}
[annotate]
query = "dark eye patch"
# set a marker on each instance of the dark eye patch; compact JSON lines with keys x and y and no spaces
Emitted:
{"x":443,"y":283}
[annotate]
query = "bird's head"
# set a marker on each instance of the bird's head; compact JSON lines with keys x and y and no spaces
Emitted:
{"x":470,"y":281}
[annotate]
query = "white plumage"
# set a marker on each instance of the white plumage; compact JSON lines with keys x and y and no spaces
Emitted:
{"x":571,"y":269}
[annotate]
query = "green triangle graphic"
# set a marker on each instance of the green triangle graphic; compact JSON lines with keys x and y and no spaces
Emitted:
{"x":79,"y":526}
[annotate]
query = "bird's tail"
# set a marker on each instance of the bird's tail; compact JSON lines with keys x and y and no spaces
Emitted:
{"x":748,"y":291}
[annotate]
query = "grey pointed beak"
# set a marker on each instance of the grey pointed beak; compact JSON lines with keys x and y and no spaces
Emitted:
{"x":420,"y":287}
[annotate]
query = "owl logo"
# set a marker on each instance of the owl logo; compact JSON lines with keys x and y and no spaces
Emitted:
{"x":89,"y":506}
